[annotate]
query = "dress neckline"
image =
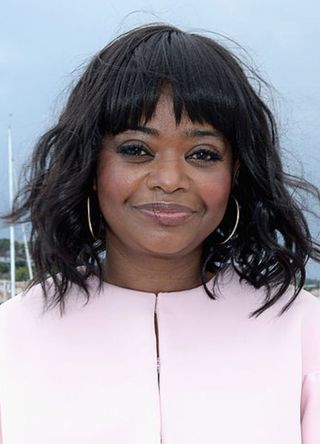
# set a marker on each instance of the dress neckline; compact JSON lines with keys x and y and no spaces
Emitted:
{"x":107,"y":285}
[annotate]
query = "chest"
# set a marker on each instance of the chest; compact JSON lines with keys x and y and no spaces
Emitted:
{"x":163,"y":376}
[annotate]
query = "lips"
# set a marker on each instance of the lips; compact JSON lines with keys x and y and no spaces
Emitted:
{"x":165,"y":207}
{"x":165,"y":213}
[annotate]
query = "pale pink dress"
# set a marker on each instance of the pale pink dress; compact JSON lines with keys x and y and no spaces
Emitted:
{"x":91,"y":376}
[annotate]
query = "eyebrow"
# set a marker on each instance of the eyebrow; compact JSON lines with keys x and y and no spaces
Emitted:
{"x":192,"y":133}
{"x":203,"y":133}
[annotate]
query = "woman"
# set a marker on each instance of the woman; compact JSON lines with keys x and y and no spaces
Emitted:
{"x":175,"y":254}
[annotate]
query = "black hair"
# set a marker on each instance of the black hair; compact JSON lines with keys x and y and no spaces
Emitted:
{"x":119,"y":88}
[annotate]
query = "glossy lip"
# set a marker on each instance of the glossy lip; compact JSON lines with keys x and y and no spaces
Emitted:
{"x":165,"y":213}
{"x":165,"y":207}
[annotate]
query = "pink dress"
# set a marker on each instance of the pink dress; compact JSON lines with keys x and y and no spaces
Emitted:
{"x":131,"y":367}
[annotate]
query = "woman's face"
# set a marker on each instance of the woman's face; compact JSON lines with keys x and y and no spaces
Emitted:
{"x":163,"y":188}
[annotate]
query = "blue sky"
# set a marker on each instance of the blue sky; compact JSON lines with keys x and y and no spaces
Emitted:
{"x":43,"y":44}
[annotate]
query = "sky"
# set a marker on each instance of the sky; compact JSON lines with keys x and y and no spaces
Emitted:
{"x":43,"y":46}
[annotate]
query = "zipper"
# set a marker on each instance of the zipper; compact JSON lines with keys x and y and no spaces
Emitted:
{"x":158,"y":357}
{"x":157,"y":339}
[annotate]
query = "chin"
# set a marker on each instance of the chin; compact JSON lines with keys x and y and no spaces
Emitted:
{"x":168,"y":251}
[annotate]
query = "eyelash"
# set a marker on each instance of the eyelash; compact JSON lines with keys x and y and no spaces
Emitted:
{"x":134,"y":150}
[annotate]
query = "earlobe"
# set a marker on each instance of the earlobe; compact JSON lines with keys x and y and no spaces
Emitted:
{"x":94,"y":186}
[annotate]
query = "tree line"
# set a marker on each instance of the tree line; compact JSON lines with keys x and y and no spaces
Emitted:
{"x":22,"y":273}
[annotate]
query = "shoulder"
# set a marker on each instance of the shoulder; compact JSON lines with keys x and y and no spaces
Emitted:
{"x":309,"y":299}
{"x":309,"y":306}
{"x":18,"y":317}
{"x":301,"y":320}
{"x":305,"y":306}
{"x":32,"y":303}
{"x":305,"y":301}
{"x":19,"y":306}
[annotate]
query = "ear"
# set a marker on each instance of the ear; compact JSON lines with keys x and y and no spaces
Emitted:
{"x":94,"y":186}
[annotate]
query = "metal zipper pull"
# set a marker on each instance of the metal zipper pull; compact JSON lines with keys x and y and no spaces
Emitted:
{"x":157,"y":333}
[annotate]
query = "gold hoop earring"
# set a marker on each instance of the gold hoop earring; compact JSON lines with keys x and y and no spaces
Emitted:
{"x":89,"y":219}
{"x":235,"y":225}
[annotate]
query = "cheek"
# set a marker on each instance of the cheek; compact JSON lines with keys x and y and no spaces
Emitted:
{"x":215,"y":194}
{"x":114,"y":185}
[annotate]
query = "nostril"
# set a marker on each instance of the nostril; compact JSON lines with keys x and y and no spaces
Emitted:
{"x":168,"y":176}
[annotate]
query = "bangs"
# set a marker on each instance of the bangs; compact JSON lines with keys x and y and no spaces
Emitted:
{"x":200,"y":75}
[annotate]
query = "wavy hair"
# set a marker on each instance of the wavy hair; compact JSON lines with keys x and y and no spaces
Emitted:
{"x":120,"y":88}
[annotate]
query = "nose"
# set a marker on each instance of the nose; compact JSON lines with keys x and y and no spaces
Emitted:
{"x":169,"y":175}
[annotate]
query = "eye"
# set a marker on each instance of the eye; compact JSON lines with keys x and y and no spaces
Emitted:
{"x":205,"y":155}
{"x":133,"y":150}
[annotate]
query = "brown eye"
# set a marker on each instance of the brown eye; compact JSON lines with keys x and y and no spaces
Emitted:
{"x":205,"y":155}
{"x":133,"y":150}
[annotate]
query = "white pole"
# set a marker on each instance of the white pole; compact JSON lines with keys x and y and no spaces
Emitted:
{"x":26,"y":247}
{"x":12,"y":250}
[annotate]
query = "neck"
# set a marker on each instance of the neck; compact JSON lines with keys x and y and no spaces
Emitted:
{"x":151,"y":273}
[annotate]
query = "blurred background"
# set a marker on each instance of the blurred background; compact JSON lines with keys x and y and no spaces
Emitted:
{"x":44,"y":45}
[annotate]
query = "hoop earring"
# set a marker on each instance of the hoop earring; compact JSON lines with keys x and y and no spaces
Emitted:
{"x":89,"y":219}
{"x":235,"y":225}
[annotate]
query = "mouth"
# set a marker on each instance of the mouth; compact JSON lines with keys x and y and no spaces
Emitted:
{"x":166,"y":213}
{"x":166,"y":207}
